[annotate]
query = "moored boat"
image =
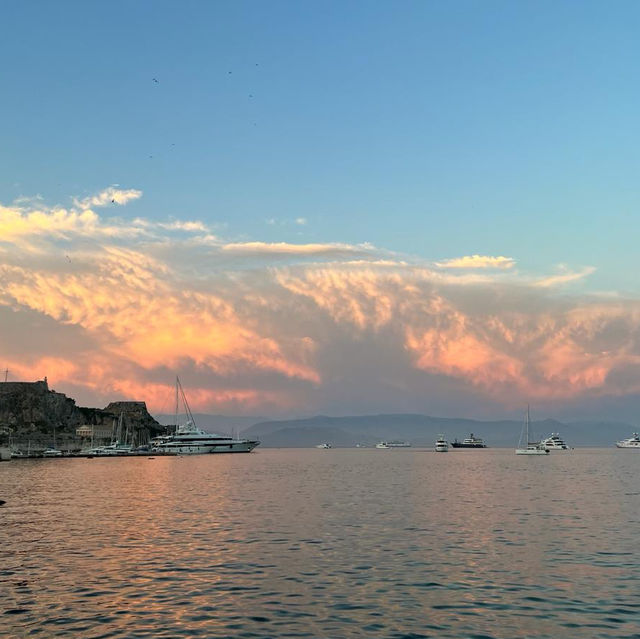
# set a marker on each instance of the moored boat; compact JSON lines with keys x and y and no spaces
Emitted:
{"x":188,"y":439}
{"x":52,"y":452}
{"x":442,"y":445}
{"x":525,"y":445}
{"x":554,"y":442}
{"x":631,"y":442}
{"x":469,"y":442}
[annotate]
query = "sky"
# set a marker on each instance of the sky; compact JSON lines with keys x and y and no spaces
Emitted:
{"x":323,"y":207}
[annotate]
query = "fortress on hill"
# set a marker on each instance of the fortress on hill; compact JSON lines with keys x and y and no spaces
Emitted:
{"x":30,"y":411}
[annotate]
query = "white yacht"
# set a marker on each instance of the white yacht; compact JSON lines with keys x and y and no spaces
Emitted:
{"x":117,"y":447}
{"x":382,"y":445}
{"x":632,"y":442}
{"x":554,"y":442}
{"x":188,"y":439}
{"x":442,"y":445}
{"x":527,"y":447}
{"x":52,"y":452}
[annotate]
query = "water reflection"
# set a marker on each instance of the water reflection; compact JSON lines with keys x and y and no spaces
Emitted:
{"x":349,"y":543}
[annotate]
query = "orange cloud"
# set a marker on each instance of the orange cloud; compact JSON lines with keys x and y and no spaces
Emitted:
{"x":144,"y":309}
{"x":478,"y":261}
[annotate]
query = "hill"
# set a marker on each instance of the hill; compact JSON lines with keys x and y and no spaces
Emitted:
{"x":422,"y":430}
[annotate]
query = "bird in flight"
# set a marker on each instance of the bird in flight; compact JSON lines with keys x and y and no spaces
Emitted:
{"x":156,"y":80}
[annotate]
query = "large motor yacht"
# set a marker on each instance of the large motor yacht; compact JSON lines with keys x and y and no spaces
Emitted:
{"x":442,"y":445}
{"x":469,"y":442}
{"x":632,"y":442}
{"x":188,"y":439}
{"x":554,"y":442}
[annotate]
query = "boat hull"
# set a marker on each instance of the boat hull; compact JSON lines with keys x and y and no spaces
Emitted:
{"x":532,"y":451}
{"x":461,"y":445}
{"x":184,"y":448}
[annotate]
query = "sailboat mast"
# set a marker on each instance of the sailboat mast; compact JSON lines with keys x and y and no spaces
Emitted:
{"x":177,"y":386}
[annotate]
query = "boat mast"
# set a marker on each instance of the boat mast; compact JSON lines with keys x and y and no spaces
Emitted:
{"x":176,"y":420}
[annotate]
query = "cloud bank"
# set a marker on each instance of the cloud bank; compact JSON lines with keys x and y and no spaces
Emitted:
{"x":111,"y":308}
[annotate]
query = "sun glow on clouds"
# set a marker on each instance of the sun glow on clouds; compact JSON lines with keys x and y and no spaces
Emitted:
{"x":151,"y":297}
{"x":478,"y":261}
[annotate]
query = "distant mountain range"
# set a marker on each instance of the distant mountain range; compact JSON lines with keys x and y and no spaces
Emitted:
{"x":419,"y":430}
{"x":422,"y":430}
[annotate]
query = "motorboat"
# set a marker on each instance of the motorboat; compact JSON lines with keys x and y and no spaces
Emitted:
{"x":52,"y":452}
{"x":469,"y":442}
{"x":525,"y":445}
{"x":324,"y":446}
{"x":188,"y":439}
{"x":442,"y":445}
{"x":631,"y":442}
{"x":382,"y":445}
{"x":554,"y":442}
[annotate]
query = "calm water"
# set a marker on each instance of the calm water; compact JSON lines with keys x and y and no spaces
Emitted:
{"x":323,"y":543}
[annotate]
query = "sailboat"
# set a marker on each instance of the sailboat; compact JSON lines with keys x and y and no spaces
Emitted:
{"x":525,"y":446}
{"x":188,"y":439}
{"x":117,"y":447}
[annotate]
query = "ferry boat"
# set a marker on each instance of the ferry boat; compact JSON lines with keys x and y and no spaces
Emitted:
{"x":442,"y":445}
{"x":188,"y":439}
{"x":632,"y":442}
{"x":554,"y":442}
{"x":469,"y":442}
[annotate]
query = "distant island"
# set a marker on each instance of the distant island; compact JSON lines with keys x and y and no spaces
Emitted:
{"x":422,"y":430}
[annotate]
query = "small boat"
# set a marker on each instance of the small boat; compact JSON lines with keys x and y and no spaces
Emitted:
{"x":469,"y":442}
{"x":442,"y":445}
{"x":554,"y":442}
{"x":324,"y":446}
{"x":631,"y":442}
{"x":525,"y":446}
{"x":382,"y":445}
{"x":52,"y":452}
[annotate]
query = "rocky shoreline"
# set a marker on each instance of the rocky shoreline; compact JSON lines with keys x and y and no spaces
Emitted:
{"x":33,"y":417}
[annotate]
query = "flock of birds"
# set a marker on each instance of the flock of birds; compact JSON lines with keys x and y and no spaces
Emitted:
{"x":156,"y":81}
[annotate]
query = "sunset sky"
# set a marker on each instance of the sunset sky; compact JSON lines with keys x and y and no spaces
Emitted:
{"x":324,"y":207}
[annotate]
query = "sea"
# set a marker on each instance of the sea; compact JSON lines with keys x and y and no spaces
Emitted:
{"x":402,"y":543}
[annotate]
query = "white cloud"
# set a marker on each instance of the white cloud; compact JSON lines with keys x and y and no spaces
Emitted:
{"x":111,"y":195}
{"x":478,"y":261}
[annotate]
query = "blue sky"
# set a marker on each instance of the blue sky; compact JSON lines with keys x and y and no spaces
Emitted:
{"x":428,"y":130}
{"x":431,"y":128}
